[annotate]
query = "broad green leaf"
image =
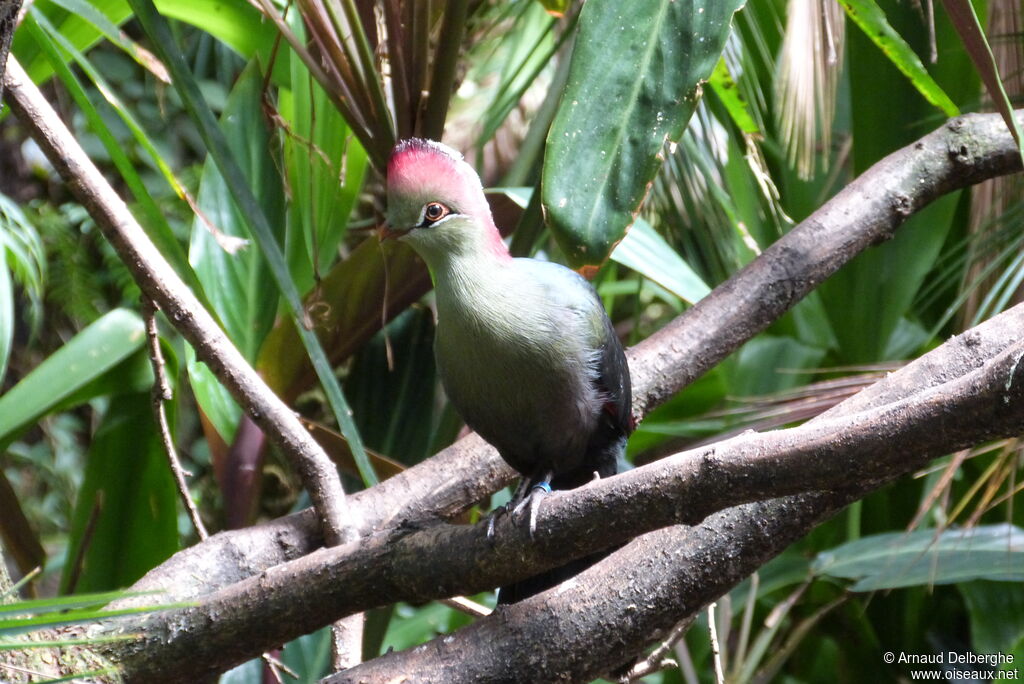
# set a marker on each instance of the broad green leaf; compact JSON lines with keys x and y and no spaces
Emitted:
{"x":647,"y":253}
{"x":157,"y":28}
{"x":926,"y":557}
{"x":132,"y":375}
{"x":309,"y":656}
{"x":86,"y":357}
{"x":872,"y":20}
{"x":125,"y":519}
{"x":681,"y":415}
{"x":325,"y":166}
{"x":764,"y":365}
{"x":867,"y":298}
{"x":76,"y":28}
{"x":395,"y":399}
{"x":241,"y":290}
{"x":238,"y":282}
{"x":410,"y":627}
{"x":215,"y":401}
{"x":633,"y":85}
{"x":249,"y":671}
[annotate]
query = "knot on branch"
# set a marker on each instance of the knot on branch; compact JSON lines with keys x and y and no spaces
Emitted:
{"x":961,"y":154}
{"x":902,"y":204}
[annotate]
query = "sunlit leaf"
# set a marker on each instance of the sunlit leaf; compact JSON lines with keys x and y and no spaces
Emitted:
{"x":725,"y":88}
{"x":234,"y":22}
{"x":871,"y":19}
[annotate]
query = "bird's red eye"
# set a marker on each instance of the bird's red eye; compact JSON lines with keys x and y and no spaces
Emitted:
{"x":434,"y":212}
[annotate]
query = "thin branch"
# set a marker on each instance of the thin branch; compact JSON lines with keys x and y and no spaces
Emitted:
{"x":161,"y":393}
{"x":8,"y":22}
{"x":658,"y":659}
{"x":467,"y":606}
{"x":161,"y":284}
{"x":716,"y":650}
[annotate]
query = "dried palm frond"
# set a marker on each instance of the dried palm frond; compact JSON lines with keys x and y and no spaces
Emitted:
{"x":807,"y":75}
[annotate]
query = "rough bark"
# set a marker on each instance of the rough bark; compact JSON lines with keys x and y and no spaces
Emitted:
{"x":241,"y":619}
{"x":844,"y":453}
{"x":868,"y":211}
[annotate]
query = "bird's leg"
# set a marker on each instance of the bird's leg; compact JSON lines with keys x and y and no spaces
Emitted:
{"x":536,"y":488}
{"x":529,"y":493}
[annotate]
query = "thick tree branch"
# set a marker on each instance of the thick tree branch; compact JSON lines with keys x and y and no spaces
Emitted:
{"x":963,"y":151}
{"x":574,"y":633}
{"x":868,"y":211}
{"x":840,"y":453}
{"x":668,"y":575}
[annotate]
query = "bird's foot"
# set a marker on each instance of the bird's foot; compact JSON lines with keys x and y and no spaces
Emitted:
{"x":532,"y":502}
{"x":527,"y":495}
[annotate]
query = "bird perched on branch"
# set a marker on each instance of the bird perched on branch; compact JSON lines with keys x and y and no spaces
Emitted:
{"x":525,"y":350}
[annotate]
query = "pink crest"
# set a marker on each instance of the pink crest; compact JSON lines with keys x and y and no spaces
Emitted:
{"x":438,"y":173}
{"x":417,"y":164}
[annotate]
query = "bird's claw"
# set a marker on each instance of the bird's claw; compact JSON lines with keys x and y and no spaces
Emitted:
{"x":533,"y":499}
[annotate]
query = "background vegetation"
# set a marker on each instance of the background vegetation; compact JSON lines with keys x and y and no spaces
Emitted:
{"x":188,"y":106}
